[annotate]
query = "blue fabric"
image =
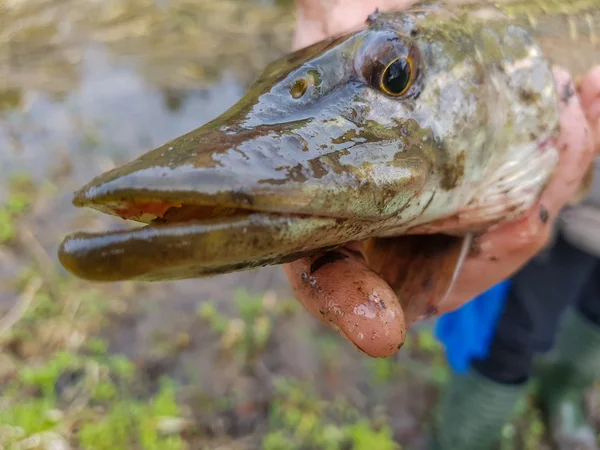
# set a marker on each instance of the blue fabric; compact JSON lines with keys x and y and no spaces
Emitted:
{"x":467,"y":332}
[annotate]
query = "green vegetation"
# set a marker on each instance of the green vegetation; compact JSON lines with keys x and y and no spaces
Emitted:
{"x":298,"y":419}
{"x":62,"y":383}
{"x":134,"y":423}
{"x":253,"y":371}
{"x":18,"y":201}
{"x":249,"y":331}
{"x":79,"y":389}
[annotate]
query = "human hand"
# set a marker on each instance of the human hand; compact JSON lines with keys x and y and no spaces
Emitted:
{"x":370,"y":292}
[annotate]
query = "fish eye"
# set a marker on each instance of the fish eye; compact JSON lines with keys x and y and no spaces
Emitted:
{"x":397,"y":77}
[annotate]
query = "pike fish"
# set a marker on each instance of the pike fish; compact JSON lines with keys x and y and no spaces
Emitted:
{"x":434,"y":112}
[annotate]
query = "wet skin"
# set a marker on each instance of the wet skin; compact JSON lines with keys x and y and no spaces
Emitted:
{"x":321,"y":152}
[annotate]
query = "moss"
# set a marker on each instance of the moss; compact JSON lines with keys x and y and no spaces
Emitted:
{"x":111,"y":416}
{"x":249,"y":332}
{"x":105,"y":391}
{"x":97,"y":346}
{"x":218,"y":322}
{"x":249,"y":306}
{"x":381,"y":370}
{"x":110,"y":432}
{"x":365,"y":437}
{"x":7,"y":226}
{"x":29,"y":415}
{"x":45,"y":377}
{"x":132,"y":423}
{"x":121,"y":366}
{"x":19,"y":199}
{"x":299,"y":419}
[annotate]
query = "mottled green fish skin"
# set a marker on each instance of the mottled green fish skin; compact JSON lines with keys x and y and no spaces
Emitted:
{"x":568,"y":32}
{"x":316,"y":155}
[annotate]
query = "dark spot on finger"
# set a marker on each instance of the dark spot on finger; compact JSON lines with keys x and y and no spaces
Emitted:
{"x":567,"y":93}
{"x":304,"y":275}
{"x":544,"y":215}
{"x":493,"y":258}
{"x":321,"y":312}
{"x":382,"y":304}
{"x":327,"y":258}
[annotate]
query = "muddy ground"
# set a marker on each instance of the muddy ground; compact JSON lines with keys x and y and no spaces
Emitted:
{"x":230,"y":362}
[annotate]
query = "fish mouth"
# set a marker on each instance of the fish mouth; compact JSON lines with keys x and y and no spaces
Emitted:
{"x":186,"y":240}
{"x":216,"y":201}
{"x":209,"y":204}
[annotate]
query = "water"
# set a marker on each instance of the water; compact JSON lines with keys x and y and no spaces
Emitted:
{"x":87,"y":85}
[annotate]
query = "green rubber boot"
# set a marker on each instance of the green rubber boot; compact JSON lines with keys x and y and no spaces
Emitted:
{"x":473,"y":411}
{"x":563,"y":378}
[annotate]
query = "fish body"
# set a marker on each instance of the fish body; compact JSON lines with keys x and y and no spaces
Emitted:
{"x":435,"y":112}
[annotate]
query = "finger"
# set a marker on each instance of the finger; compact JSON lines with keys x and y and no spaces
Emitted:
{"x":339,"y":289}
{"x":575,"y":145}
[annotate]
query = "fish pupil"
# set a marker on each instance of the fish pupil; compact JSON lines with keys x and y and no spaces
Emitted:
{"x":397,"y":76}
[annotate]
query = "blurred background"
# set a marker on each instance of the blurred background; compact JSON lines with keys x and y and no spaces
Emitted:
{"x":229,"y":362}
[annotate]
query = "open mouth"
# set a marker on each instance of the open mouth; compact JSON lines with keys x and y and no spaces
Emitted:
{"x":162,"y":213}
{"x":157,"y":212}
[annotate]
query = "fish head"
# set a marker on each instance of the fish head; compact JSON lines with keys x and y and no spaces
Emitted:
{"x":347,"y":139}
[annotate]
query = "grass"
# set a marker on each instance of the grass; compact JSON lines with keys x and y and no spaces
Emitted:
{"x":298,"y":419}
{"x":87,"y":399}
{"x":128,"y":423}
{"x":21,"y":190}
{"x":91,"y":399}
{"x":249,"y":330}
{"x":62,"y":386}
{"x":61,"y":383}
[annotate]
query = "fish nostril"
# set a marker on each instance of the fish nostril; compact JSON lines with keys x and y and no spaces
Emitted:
{"x":299,"y":88}
{"x":301,"y":85}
